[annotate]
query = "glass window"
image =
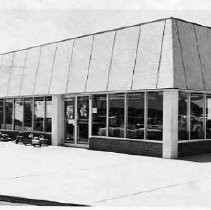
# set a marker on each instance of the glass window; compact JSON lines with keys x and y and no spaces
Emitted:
{"x":116,"y":115}
{"x":135,"y":121}
{"x":9,"y":114}
{"x":28,"y":107}
{"x":18,"y":119}
{"x":38,"y":114}
{"x":99,"y":115}
{"x":196,"y":116}
{"x":1,"y":114}
{"x":208,"y":116}
{"x":183,"y":116}
{"x":155,"y":116}
{"x":48,"y":114}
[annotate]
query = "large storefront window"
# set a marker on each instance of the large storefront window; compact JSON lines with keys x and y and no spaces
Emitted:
{"x":1,"y":114}
{"x":155,"y":116}
{"x":116,"y":115}
{"x":208,"y":116}
{"x":99,"y":115}
{"x":28,"y":112}
{"x":135,"y":121}
{"x":39,"y":109}
{"x":196,"y":116}
{"x":183,"y":116}
{"x":9,"y":114}
{"x":18,"y":119}
{"x":48,"y":114}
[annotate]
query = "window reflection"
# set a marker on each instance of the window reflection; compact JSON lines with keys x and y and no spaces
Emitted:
{"x":28,"y":107}
{"x":48,"y":114}
{"x":1,"y":114}
{"x":8,"y":114}
{"x":99,"y":115}
{"x":18,"y":119}
{"x":155,"y":116}
{"x":183,"y":116}
{"x":116,"y":115}
{"x":135,"y":121}
{"x":38,"y":114}
{"x":196,"y":116}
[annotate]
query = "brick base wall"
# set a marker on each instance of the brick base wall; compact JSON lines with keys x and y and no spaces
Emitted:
{"x":194,"y":148}
{"x":126,"y":146}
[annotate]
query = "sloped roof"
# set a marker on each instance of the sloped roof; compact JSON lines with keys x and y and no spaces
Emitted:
{"x":167,"y":53}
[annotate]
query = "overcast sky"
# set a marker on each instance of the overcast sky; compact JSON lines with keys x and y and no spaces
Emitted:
{"x":26,"y":23}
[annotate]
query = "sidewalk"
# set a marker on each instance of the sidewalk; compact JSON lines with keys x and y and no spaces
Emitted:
{"x":85,"y":177}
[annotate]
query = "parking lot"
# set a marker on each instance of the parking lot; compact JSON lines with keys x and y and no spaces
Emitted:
{"x":85,"y":177}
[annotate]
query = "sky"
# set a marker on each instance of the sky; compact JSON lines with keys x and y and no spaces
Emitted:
{"x":26,"y":23}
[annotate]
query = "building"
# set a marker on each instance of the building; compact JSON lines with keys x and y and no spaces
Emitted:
{"x":143,"y":89}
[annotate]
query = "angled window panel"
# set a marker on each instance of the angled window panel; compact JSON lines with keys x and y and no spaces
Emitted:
{"x":123,"y":59}
{"x":204,"y":39}
{"x":165,"y":76}
{"x":79,"y":65}
{"x":16,"y":73}
{"x":5,"y":73}
{"x":179,"y":71}
{"x":100,"y":62}
{"x":190,"y":56}
{"x":29,"y":73}
{"x":148,"y":55}
{"x":61,"y":67}
{"x":45,"y":69}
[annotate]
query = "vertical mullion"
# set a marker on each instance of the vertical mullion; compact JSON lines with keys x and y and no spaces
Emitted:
{"x":13,"y":112}
{"x":76,"y":119}
{"x":90,"y":116}
{"x":189,"y":113}
{"x":125,"y":115}
{"x":33,"y":112}
{"x":107,"y":114}
{"x":145,"y":114}
{"x":44,"y":101}
{"x":205,"y":115}
{"x":23,"y":104}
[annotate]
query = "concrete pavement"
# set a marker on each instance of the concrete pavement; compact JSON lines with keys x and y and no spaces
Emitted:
{"x":81,"y":176}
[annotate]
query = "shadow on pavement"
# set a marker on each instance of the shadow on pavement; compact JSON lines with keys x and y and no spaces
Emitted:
{"x":36,"y":202}
{"x":204,"y":158}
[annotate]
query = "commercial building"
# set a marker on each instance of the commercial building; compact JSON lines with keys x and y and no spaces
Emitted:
{"x":143,"y":89}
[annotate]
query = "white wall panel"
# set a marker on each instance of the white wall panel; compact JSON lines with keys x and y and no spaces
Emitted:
{"x":204,"y":45}
{"x":61,"y":67}
{"x":99,"y":66}
{"x":123,"y":59}
{"x":29,"y":74}
{"x":5,"y":73}
{"x":79,"y":65}
{"x":179,"y":71}
{"x":165,"y":76}
{"x":45,"y":69}
{"x":16,"y":73}
{"x":145,"y":74}
{"x":190,"y":56}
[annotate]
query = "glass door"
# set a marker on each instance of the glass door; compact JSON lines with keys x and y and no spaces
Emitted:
{"x":82,"y":119}
{"x":70,"y":121}
{"x":77,"y":120}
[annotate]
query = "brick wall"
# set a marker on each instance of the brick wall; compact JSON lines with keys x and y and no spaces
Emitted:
{"x":126,"y":146}
{"x":194,"y":148}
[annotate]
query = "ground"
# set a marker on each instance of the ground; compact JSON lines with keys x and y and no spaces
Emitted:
{"x":79,"y":176}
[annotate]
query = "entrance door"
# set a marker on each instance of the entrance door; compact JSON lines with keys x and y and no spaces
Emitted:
{"x":77,"y":120}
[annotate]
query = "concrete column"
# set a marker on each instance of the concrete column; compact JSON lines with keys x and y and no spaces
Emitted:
{"x":170,"y":124}
{"x":57,"y":120}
